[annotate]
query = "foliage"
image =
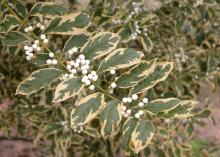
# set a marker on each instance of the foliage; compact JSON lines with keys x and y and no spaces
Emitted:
{"x":93,"y":82}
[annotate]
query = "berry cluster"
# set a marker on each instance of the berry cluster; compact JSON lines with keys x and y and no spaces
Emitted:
{"x":138,"y":31}
{"x":78,"y":129}
{"x":51,"y":61}
{"x":127,"y":112}
{"x":87,"y":79}
{"x":64,"y":124}
{"x":30,"y":49}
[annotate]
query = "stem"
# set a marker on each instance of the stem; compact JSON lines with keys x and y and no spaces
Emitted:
{"x":106,"y":93}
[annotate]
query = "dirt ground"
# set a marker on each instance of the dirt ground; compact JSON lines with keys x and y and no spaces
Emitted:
{"x":19,"y":148}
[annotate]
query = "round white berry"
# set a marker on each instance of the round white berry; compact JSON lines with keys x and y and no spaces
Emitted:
{"x":84,"y":78}
{"x":90,"y":76}
{"x":54,"y":61}
{"x":123,"y":108}
{"x":91,"y":87}
{"x":125,"y":115}
{"x":66,"y":75}
{"x":73,"y":71}
{"x":141,"y":112}
{"x":112,"y":71}
{"x":93,"y":73}
{"x":26,"y":30}
{"x":134,"y":96}
{"x":49,"y":61}
{"x":83,"y":61}
{"x":42,"y":36}
{"x":68,"y":67}
{"x":95,"y":77}
{"x":113,"y":85}
{"x":38,"y":25}
{"x":45,"y":41}
{"x":140,"y":104}
{"x":110,"y":91}
{"x":27,"y":53}
{"x":129,"y":100}
{"x":28,"y":58}
{"x":81,"y":56}
{"x":38,"y":49}
{"x":137,"y":115}
{"x":30,"y":28}
{"x":34,"y":46}
{"x":86,"y":66}
{"x":30,"y":49}
{"x":84,"y":72}
{"x":76,"y":65}
{"x":74,"y":49}
{"x":145,"y":100}
{"x":78,"y":60}
{"x":51,"y":54}
{"x":88,"y":82}
{"x":125,"y":100}
{"x":70,"y":52}
{"x":26,"y":47}
{"x":42,"y":27}
{"x":72,"y":62}
{"x":71,"y":75}
{"x":128,"y":111}
{"x":31,"y":55}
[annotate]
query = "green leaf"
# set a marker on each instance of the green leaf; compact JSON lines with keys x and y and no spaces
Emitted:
{"x":69,"y":24}
{"x":75,"y":41}
{"x":110,"y":117}
{"x":92,"y":132}
{"x":160,"y":73}
{"x":99,"y":45}
{"x":21,"y":9}
{"x":68,"y":89}
{"x":127,"y":129}
{"x":182,"y":110}
{"x":120,"y":58}
{"x":125,"y":33}
{"x":204,"y":114}
{"x":14,"y":38}
{"x":161,"y":105}
{"x":8,"y":23}
{"x":87,"y":109}
{"x":142,"y":135}
{"x":47,"y":9}
{"x":41,"y":58}
{"x":147,"y":43}
{"x":38,"y":80}
{"x":136,"y":74}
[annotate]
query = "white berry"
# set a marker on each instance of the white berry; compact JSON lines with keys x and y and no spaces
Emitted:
{"x":128,"y":111}
{"x":123,"y":108}
{"x":54,"y":61}
{"x":72,"y":62}
{"x":90,"y":76}
{"x":42,"y":27}
{"x":134,"y":96}
{"x":26,"y":30}
{"x":26,"y":47}
{"x":91,"y":87}
{"x":141,"y":112}
{"x":68,"y":67}
{"x":42,"y":36}
{"x":30,"y":49}
{"x":88,"y":82}
{"x":140,"y":104}
{"x":76,"y":65}
{"x":74,"y":49}
{"x":95,"y":78}
{"x":145,"y":100}
{"x":28,"y":58}
{"x":137,"y":115}
{"x":93,"y":73}
{"x":70,"y":52}
{"x":73,"y":71}
{"x":84,"y":72}
{"x":49,"y":61}
{"x":129,"y":100}
{"x":113,"y":85}
{"x":71,"y":75}
{"x":51,"y":54}
{"x":45,"y":41}
{"x":81,"y":56}
{"x":87,"y":62}
{"x":38,"y":49}
{"x":30,"y":28}
{"x":27,"y":53}
{"x":125,"y":100}
{"x":34,"y":46}
{"x":112,"y":71}
{"x":31,"y":55}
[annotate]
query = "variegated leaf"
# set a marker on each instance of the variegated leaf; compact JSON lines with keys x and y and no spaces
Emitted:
{"x":93,"y":132}
{"x":142,"y":135}
{"x":48,"y":9}
{"x":41,"y":58}
{"x":161,"y":105}
{"x":120,"y":58}
{"x":125,"y":33}
{"x":68,"y":89}
{"x":182,"y":110}
{"x":160,"y":73}
{"x":136,"y":74}
{"x":87,"y":109}
{"x":127,"y":130}
{"x":110,"y":117}
{"x":69,"y":24}
{"x":14,"y":38}
{"x":8,"y":23}
{"x":21,"y":9}
{"x":99,"y":45}
{"x":38,"y":80}
{"x":75,"y":41}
